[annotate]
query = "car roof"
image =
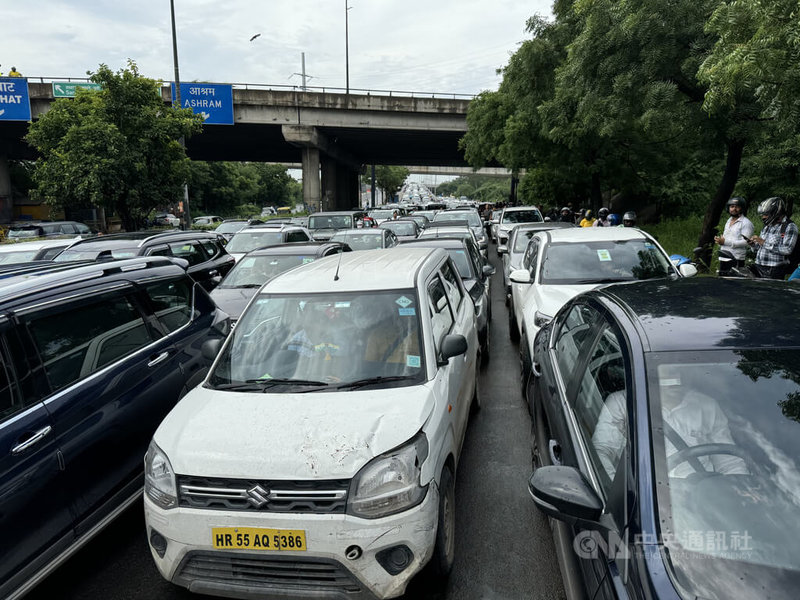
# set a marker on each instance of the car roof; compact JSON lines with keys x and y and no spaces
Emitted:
{"x":710,"y":313}
{"x":595,"y":234}
{"x":389,"y":269}
{"x":140,"y":238}
{"x":359,"y":232}
{"x":438,"y":242}
{"x":37,"y":244}
{"x":518,"y":208}
{"x":266,"y":227}
{"x":293,"y":248}
{"x":37,"y":280}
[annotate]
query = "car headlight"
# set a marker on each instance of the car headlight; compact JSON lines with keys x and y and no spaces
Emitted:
{"x":390,"y":483}
{"x":540,"y":319}
{"x":159,"y":478}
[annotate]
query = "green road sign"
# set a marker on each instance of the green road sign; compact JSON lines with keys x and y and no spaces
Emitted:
{"x":66,"y":89}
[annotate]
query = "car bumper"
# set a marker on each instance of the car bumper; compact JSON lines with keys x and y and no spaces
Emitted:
{"x":191,"y":561}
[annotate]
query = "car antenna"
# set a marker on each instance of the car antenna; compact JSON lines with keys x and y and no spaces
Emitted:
{"x":338,"y":264}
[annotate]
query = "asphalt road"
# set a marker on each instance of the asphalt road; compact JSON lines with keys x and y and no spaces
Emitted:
{"x":504,"y":547}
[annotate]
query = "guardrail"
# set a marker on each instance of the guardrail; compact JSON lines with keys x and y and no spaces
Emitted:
{"x":299,"y":88}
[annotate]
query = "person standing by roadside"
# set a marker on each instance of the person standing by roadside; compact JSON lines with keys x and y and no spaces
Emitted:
{"x":777,"y":240}
{"x":738,"y":230}
{"x":14,"y":73}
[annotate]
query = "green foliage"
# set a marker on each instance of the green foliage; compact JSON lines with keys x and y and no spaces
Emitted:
{"x":117,"y":147}
{"x":390,"y":178}
{"x":219,"y":187}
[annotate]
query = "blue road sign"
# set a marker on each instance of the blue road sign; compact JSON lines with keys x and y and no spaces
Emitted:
{"x":212,"y":100}
{"x":15,"y":103}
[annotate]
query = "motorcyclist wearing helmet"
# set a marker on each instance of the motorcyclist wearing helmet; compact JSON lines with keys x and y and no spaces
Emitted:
{"x":629,"y":219}
{"x":602,"y":218}
{"x":776,"y":241}
{"x":738,"y":230}
{"x":588,"y":220}
{"x":566,"y":215}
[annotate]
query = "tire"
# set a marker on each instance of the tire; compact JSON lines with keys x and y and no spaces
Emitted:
{"x":524,"y":363}
{"x":513,"y":330}
{"x":444,"y":547}
{"x":475,"y":404}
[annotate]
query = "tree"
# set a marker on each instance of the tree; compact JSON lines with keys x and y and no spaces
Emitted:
{"x":390,"y":179}
{"x":116,"y":148}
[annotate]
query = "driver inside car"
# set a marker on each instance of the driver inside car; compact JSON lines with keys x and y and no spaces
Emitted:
{"x":690,"y":418}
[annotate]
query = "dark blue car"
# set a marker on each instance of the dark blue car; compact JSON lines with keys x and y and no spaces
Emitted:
{"x":92,"y":357}
{"x":666,"y":421}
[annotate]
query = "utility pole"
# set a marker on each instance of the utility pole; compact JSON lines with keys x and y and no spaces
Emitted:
{"x":346,"y":49}
{"x":182,"y":141}
{"x":303,"y":76}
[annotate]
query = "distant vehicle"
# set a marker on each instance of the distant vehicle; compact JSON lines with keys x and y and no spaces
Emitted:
{"x":208,"y":220}
{"x":366,"y":239}
{"x":47,"y":229}
{"x":268,"y":210}
{"x":284,"y":211}
{"x":230,"y":226}
{"x":22,"y":252}
{"x":167,"y":219}
{"x":512,"y":215}
{"x":405,"y":229}
{"x":324,"y":224}
{"x":259,"y":236}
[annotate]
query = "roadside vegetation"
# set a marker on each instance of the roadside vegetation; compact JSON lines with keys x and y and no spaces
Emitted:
{"x":663,"y":108}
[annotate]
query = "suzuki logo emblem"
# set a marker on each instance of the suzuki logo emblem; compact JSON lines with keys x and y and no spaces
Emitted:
{"x":258,"y":496}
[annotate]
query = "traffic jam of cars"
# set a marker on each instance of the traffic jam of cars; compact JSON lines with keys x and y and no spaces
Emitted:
{"x":289,"y":399}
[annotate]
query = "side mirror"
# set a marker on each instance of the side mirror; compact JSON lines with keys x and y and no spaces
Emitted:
{"x":211,"y":348}
{"x":688,"y":270}
{"x":520,"y":276}
{"x":452,"y":345}
{"x":495,"y":221}
{"x":502,"y":249}
{"x":564,"y":494}
{"x":489,"y":270}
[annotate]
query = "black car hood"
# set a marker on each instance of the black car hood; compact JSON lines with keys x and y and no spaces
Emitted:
{"x":233,"y":300}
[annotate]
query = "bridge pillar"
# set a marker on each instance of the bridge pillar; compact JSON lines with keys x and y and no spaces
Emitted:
{"x":6,"y":201}
{"x":311,"y":187}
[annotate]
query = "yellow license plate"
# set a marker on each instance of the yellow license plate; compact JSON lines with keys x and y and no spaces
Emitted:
{"x":258,"y":538}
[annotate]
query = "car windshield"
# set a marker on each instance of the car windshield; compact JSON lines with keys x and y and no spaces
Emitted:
{"x":25,"y":232}
{"x":244,"y":241}
{"x":330,"y":222}
{"x":521,"y":239}
{"x":341,"y":339}
{"x":400,"y":227}
{"x":230,"y":227}
{"x":592,"y":262}
{"x":726,"y":451}
{"x":358,"y":240}
{"x":470,"y":216}
{"x":522,"y":216}
{"x":93,"y":253}
{"x":381,"y":214}
{"x":253,"y":271}
{"x":428,"y":214}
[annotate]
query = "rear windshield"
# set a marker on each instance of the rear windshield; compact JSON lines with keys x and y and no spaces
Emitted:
{"x":522,"y":216}
{"x":244,"y":241}
{"x":331,"y":222}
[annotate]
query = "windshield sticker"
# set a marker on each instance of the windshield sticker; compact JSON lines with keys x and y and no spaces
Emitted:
{"x":404,"y":302}
{"x":407,"y":312}
{"x":604,"y":255}
{"x":307,"y":260}
{"x":413,"y":361}
{"x":648,"y":245}
{"x":263,"y":301}
{"x":342,"y":305}
{"x":247,"y":263}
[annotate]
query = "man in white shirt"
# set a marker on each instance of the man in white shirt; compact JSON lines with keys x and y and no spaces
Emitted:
{"x":737,"y":232}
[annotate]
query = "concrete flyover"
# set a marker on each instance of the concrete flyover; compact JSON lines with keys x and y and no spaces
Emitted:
{"x":333,"y":135}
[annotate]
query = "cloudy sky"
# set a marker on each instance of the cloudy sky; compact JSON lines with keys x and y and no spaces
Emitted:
{"x":443,"y":46}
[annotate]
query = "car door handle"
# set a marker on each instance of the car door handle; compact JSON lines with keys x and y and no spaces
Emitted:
{"x":31,"y":441}
{"x":535,"y":370}
{"x":158,"y":359}
{"x":213,"y":273}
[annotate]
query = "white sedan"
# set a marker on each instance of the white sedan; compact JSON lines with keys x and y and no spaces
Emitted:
{"x":560,"y":264}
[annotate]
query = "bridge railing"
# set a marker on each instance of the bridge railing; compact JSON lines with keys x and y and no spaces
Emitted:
{"x":299,"y":88}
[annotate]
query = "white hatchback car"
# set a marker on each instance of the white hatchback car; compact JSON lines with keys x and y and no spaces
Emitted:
{"x":559,"y":264}
{"x":318,"y":459}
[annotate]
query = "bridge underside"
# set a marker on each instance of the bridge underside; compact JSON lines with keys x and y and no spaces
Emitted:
{"x":266,"y":143}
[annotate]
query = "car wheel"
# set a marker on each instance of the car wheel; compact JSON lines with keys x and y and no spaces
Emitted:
{"x":513,"y":330}
{"x":444,"y":548}
{"x":524,"y":362}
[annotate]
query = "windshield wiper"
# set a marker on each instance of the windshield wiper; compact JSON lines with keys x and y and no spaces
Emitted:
{"x":258,"y":385}
{"x":606,"y":280}
{"x":370,"y":380}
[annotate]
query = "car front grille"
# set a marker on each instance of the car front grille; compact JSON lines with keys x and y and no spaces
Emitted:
{"x":268,"y":573}
{"x":326,"y":497}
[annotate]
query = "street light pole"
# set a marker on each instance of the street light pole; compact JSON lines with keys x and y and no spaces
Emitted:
{"x":346,"y":49}
{"x":177,"y":102}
